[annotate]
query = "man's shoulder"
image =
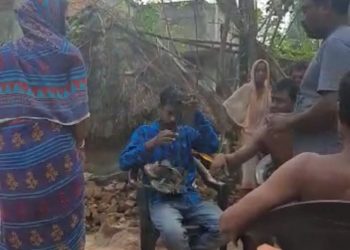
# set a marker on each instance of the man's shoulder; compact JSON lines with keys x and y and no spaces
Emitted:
{"x":269,"y":140}
{"x":147,"y":127}
{"x":302,"y":162}
{"x":341,"y":37}
{"x":307,"y":157}
{"x":342,"y":33}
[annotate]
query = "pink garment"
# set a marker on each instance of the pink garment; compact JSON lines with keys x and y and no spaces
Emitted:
{"x":248,"y":108}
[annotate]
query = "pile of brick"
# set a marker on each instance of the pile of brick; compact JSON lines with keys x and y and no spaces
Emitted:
{"x":114,"y":203}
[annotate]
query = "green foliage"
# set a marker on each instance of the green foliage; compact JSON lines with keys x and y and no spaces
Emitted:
{"x":147,"y":18}
{"x":286,"y":39}
{"x":295,"y":50}
{"x":76,"y":30}
{"x":281,"y":31}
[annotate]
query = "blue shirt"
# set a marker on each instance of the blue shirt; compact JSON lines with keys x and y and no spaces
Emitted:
{"x":201,"y":137}
{"x":329,"y":65}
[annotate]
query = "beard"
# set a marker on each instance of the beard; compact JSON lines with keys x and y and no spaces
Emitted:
{"x":312,"y":33}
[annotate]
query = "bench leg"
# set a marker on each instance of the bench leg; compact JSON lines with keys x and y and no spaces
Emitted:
{"x":148,"y":234}
{"x":148,"y":239}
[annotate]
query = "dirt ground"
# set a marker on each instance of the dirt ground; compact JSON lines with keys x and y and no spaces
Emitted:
{"x":127,"y":239}
{"x":124,"y":240}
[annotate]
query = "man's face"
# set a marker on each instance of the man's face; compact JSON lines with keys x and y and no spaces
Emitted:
{"x":314,"y":19}
{"x":297,"y":76}
{"x":169,"y":116}
{"x":281,"y":102}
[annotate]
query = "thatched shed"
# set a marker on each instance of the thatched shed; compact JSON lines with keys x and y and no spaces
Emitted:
{"x":126,"y":74}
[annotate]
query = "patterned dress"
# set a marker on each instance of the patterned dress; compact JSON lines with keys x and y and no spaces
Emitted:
{"x":43,"y":94}
{"x":41,"y":187}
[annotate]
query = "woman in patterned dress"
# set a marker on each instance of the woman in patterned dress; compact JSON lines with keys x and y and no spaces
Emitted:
{"x":43,"y":113}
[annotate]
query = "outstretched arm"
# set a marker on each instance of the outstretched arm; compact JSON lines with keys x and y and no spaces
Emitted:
{"x":248,"y":150}
{"x":242,"y":155}
{"x":282,"y":187}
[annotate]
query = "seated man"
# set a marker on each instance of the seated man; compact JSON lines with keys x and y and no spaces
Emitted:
{"x":168,"y":139}
{"x":308,"y":176}
{"x":279,"y":146}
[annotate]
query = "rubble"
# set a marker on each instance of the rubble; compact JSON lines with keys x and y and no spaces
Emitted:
{"x":114,"y":204}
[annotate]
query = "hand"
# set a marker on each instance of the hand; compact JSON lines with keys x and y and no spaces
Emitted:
{"x":219,"y":162}
{"x":164,"y":137}
{"x":82,"y":158}
{"x":190,"y":106}
{"x":279,"y":122}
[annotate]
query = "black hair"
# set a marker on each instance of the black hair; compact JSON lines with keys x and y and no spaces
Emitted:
{"x":344,"y":100}
{"x":299,"y":66}
{"x":287,"y":85}
{"x":339,"y":6}
{"x":171,"y":96}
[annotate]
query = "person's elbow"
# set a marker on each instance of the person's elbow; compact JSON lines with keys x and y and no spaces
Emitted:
{"x":213,"y":146}
{"x":124,"y":164}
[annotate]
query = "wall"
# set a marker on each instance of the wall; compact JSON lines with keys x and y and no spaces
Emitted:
{"x":183,"y":16}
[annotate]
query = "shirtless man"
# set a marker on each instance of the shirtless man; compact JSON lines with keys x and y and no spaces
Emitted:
{"x":279,"y":145}
{"x":308,"y":176}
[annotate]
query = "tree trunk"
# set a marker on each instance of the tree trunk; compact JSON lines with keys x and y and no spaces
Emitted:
{"x":223,"y":89}
{"x":232,"y":16}
{"x":248,"y":34}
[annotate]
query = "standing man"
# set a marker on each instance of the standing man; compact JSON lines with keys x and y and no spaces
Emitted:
{"x":314,"y":120}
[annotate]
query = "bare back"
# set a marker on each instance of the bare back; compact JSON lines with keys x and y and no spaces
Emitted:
{"x":326,"y":178}
{"x":305,"y":177}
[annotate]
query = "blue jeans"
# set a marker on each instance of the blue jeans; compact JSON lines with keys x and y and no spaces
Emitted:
{"x":167,"y":217}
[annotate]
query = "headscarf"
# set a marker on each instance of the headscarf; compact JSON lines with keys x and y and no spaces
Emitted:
{"x":246,"y":107}
{"x":42,"y":75}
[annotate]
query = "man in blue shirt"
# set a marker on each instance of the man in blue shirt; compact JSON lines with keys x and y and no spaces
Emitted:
{"x":169,"y":139}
